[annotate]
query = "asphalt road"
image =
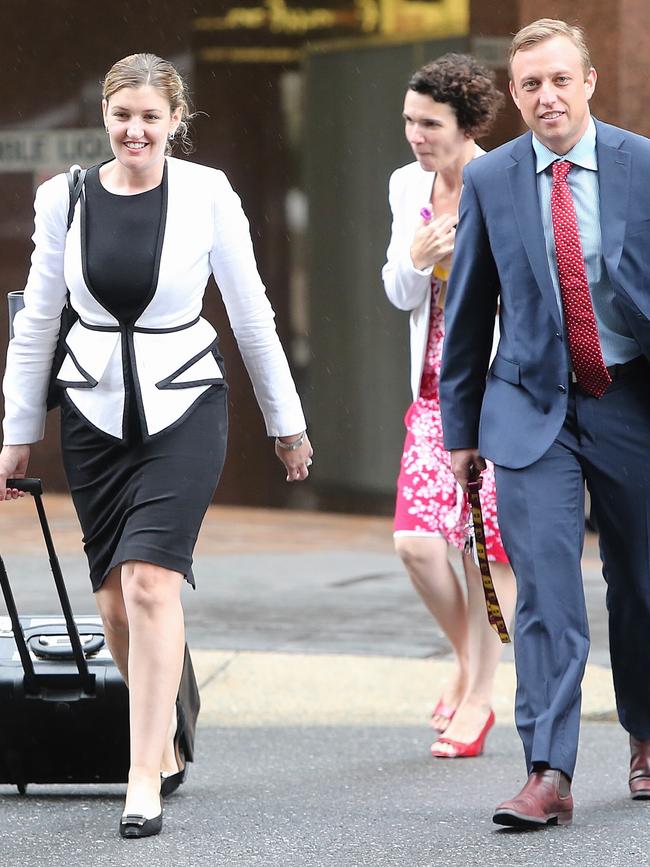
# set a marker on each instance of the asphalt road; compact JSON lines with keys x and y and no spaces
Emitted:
{"x":341,"y":797}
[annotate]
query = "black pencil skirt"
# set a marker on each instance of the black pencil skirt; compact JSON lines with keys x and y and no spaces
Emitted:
{"x":145,"y":500}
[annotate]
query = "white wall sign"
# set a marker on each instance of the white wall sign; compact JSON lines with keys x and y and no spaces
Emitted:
{"x":25,"y":150}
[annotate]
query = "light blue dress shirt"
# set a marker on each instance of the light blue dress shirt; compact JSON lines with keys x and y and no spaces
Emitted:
{"x":616,"y":341}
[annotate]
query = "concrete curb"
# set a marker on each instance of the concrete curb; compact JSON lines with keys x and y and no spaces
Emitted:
{"x":248,"y":689}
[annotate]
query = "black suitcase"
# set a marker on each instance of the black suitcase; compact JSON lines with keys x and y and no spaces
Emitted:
{"x":64,"y":708}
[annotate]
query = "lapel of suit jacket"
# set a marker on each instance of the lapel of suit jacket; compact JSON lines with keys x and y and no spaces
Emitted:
{"x":614,"y":187}
{"x":522,"y":180}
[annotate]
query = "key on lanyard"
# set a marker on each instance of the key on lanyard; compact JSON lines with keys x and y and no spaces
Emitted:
{"x":476,"y":544}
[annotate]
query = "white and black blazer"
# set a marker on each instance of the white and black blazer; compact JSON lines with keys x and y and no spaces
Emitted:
{"x":169,"y":347}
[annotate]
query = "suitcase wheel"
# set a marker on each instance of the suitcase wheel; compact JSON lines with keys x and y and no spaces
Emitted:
{"x":22,"y":788}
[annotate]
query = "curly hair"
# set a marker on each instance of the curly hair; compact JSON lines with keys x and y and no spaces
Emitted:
{"x":466,"y":85}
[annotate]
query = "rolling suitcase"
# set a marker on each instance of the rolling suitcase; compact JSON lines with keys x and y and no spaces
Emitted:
{"x":64,"y":708}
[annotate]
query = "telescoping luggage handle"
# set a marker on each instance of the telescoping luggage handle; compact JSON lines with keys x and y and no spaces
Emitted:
{"x":35,"y":488}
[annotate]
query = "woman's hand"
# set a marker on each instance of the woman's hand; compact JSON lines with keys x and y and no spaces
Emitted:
{"x":433,"y":241}
{"x":297,"y":461}
{"x":13,"y":465}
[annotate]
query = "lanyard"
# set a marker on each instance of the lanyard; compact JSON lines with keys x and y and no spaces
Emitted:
{"x":494,"y":613}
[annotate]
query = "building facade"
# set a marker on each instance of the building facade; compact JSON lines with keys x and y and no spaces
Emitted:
{"x":300,"y":104}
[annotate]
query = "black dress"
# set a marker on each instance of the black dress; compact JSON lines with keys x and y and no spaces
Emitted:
{"x":138,"y":500}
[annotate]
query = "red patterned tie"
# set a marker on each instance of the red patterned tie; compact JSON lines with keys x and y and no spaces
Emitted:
{"x":582,"y":330}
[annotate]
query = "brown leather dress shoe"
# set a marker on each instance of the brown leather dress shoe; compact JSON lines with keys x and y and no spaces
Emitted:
{"x":639,"y":769}
{"x":545,"y":800}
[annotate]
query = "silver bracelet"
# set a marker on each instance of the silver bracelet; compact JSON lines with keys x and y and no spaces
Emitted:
{"x":292,"y":446}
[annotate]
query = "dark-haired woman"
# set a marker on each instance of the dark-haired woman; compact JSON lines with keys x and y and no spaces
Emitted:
{"x":144,"y":416}
{"x":448,"y":104}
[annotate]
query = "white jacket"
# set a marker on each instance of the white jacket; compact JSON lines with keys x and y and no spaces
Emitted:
{"x":407,"y":287}
{"x":170,"y":345}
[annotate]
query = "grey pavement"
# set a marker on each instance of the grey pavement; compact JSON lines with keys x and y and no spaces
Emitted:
{"x":333,"y":601}
{"x":341,"y":797}
{"x":318,"y":668}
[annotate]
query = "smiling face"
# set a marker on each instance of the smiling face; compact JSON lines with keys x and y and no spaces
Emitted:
{"x":139,"y":121}
{"x":552,"y":91}
{"x":432,"y":130}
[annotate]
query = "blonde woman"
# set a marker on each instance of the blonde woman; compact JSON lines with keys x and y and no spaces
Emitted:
{"x":144,"y":413}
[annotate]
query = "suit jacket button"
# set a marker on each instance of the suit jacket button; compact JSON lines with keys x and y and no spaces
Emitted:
{"x":562,"y":388}
{"x":558,"y":335}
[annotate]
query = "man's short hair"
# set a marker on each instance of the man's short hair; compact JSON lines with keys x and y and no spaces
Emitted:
{"x":547,"y":28}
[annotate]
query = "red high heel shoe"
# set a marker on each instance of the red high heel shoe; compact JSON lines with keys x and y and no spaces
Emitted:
{"x":458,"y":749}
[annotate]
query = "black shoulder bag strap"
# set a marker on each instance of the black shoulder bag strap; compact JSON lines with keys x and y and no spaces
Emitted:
{"x":76,"y":177}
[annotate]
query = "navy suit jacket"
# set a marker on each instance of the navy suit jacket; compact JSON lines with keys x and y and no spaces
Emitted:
{"x":513,"y":411}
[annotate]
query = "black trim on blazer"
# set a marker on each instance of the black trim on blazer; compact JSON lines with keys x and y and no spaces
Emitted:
{"x":114,"y":328}
{"x":140,"y":330}
{"x":221,"y":386}
{"x":129,"y":352}
{"x":90,"y":381}
{"x":127,"y":380}
{"x":84,"y":257}
{"x":191,"y":383}
{"x":159,"y":245}
{"x":168,"y":381}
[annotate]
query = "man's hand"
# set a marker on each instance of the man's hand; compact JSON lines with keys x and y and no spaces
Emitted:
{"x":466,"y":465}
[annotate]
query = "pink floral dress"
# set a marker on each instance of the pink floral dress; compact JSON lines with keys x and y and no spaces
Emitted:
{"x":429,"y":500}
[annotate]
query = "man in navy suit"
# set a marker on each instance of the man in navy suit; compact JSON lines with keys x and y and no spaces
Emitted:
{"x":565,"y":400}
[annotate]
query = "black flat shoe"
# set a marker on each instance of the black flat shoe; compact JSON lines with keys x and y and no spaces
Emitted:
{"x":137,"y":826}
{"x":171,"y":782}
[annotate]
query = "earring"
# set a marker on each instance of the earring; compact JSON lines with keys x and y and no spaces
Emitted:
{"x":170,"y":136}
{"x":106,"y":128}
